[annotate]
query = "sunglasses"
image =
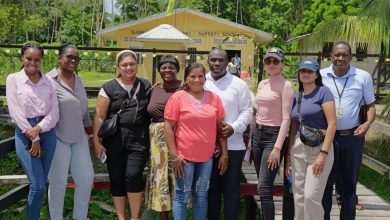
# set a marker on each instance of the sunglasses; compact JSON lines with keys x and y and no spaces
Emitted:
{"x":73,"y":58}
{"x":273,"y":61}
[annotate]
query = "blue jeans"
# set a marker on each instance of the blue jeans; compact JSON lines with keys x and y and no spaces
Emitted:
{"x":195,"y":181}
{"x":36,"y":169}
{"x":263,"y":141}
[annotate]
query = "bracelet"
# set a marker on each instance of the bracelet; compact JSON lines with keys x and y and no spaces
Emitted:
{"x":90,"y":136}
{"x":324,"y":152}
{"x":176,"y":159}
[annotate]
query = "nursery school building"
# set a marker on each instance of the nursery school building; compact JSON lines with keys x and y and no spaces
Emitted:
{"x":186,"y":30}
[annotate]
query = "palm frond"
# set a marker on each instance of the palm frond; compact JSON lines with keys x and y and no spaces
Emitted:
{"x":371,"y":26}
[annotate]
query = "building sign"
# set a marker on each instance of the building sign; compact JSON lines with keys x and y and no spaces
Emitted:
{"x":202,"y":35}
{"x":130,"y":39}
{"x":196,"y":33}
{"x":233,"y":41}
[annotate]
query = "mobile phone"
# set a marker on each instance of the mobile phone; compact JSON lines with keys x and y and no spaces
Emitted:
{"x":28,"y":145}
{"x":103,"y":157}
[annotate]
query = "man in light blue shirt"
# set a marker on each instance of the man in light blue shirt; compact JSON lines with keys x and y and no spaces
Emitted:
{"x":351,"y":87}
{"x":237,"y":103}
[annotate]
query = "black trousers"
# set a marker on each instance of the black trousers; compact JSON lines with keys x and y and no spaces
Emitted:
{"x":348,"y":158}
{"x":228,"y":185}
{"x":262,"y":144}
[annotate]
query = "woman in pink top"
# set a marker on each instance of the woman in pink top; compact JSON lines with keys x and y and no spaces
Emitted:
{"x":274,"y":100}
{"x":33,"y":106}
{"x":192,"y":120}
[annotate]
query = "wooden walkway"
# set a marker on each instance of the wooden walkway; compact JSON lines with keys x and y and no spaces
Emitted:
{"x":375,"y":208}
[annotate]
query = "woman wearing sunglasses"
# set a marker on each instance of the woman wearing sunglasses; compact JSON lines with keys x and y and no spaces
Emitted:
{"x":73,"y":129}
{"x":274,"y":101}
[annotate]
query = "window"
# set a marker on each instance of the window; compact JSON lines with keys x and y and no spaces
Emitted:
{"x":192,"y":55}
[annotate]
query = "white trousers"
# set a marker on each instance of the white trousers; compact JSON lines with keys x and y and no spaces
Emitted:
{"x":77,"y":158}
{"x":307,"y":188}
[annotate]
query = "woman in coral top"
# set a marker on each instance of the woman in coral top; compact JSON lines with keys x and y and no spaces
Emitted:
{"x":274,"y":100}
{"x":193,"y":117}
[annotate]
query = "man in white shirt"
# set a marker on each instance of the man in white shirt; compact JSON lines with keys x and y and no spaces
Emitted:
{"x":236,"y":100}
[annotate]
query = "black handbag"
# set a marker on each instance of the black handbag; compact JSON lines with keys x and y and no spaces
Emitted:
{"x":309,"y":136}
{"x":110,"y":125}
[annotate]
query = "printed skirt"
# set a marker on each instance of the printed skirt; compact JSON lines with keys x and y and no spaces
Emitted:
{"x":161,"y":180}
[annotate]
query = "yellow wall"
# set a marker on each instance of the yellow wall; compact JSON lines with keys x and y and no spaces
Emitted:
{"x":206,"y":34}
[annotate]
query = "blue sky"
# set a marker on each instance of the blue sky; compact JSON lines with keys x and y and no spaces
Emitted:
{"x":108,"y":8}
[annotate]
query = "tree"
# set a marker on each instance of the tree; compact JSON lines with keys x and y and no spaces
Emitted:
{"x":321,"y":12}
{"x":371,"y":26}
{"x":136,"y":9}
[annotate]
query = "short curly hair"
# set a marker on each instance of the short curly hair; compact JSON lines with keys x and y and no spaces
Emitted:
{"x":169,"y":59}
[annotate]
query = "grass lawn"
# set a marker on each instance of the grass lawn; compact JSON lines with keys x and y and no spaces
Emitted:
{"x":378,"y":146}
{"x":95,"y":79}
{"x":376,"y":182}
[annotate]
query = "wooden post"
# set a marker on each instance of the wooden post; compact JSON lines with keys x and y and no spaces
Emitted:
{"x":10,"y":198}
{"x":7,"y":145}
{"x":154,"y":77}
{"x":261,"y":66}
{"x":319,"y":57}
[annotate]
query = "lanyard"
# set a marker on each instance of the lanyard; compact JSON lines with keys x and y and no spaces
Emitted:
{"x":342,"y":91}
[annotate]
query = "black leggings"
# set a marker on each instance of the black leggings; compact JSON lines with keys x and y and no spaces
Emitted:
{"x":125,"y":169}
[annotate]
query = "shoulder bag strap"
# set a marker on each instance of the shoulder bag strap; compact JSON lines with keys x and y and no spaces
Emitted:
{"x":134,"y":88}
{"x":126,"y":102}
{"x":299,"y":107}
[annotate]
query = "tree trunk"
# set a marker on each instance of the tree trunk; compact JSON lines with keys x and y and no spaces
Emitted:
{"x":92,"y":20}
{"x":237,"y":1}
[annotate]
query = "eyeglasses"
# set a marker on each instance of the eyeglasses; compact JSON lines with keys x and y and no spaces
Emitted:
{"x":273,"y":61}
{"x":73,"y":58}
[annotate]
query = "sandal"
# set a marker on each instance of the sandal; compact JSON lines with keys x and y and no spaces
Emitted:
{"x":359,"y":206}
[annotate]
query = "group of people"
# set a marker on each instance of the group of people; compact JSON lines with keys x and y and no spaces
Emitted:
{"x":234,"y":66}
{"x":53,"y":128}
{"x":192,"y":133}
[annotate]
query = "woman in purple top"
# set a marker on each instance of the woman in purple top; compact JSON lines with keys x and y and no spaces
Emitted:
{"x":310,"y":166}
{"x":33,"y":106}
